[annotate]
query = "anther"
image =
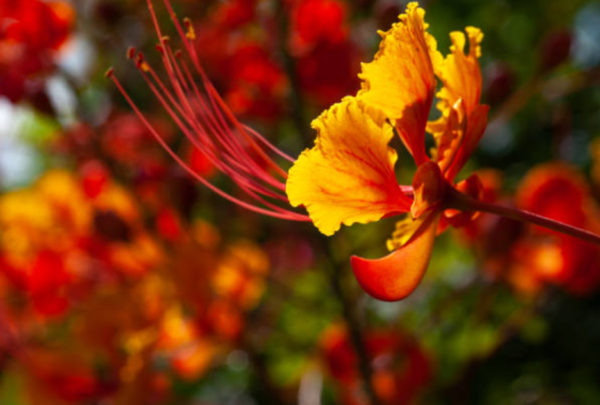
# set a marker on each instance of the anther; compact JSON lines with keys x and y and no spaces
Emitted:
{"x":191,"y":33}
{"x":140,"y":63}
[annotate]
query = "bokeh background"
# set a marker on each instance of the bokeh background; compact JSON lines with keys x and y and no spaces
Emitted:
{"x":123,"y":281}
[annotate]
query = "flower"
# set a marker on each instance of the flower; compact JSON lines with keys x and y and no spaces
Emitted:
{"x":325,"y":55}
{"x":401,"y":367}
{"x":307,"y":32}
{"x":238,"y":48}
{"x":348,"y":176}
{"x":31,"y":33}
{"x":558,"y":191}
{"x":531,"y":257}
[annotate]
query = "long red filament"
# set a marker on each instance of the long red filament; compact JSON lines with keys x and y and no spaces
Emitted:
{"x":216,"y":100}
{"x":209,"y":151}
{"x":283,"y":214}
{"x":251,"y":165}
{"x":210,"y":88}
{"x":206,"y":121}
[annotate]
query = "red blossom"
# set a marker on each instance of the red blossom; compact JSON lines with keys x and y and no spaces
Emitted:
{"x":47,"y":283}
{"x":31,"y":31}
{"x":308,"y":31}
{"x":401,"y":369}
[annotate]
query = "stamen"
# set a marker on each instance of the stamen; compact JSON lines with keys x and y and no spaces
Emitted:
{"x":284,"y":214}
{"x":200,"y":131}
{"x":191,"y":34}
{"x":207,"y":122}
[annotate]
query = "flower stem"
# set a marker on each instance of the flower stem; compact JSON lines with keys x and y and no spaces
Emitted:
{"x":462,"y":202}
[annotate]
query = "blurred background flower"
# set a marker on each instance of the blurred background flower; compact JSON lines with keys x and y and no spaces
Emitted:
{"x":122,"y":281}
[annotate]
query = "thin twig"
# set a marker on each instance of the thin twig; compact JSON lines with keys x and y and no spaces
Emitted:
{"x":295,"y":97}
{"x":353,"y":326}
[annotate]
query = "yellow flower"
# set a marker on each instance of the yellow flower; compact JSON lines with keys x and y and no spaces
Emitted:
{"x":348,"y":176}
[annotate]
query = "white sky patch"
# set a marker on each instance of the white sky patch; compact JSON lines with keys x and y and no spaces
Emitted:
{"x":63,"y":99}
{"x":77,"y":58}
{"x":19,"y":162}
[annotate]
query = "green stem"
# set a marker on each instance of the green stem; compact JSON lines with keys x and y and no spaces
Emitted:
{"x":354,"y":328}
{"x":295,"y":97}
{"x":462,"y":202}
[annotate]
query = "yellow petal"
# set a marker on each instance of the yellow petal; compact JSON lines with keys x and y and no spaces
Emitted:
{"x":460,"y":72}
{"x":405,"y":229}
{"x":348,"y":176}
{"x":400,"y":80}
{"x":461,"y":78}
{"x":475,"y":127}
{"x":449,"y":135}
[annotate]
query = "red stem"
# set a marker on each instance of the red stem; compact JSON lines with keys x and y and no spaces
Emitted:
{"x":457,"y":200}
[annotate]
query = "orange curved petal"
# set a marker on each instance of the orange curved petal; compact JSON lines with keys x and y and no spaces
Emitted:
{"x":396,"y":275}
{"x":348,"y":176}
{"x":400,"y":80}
